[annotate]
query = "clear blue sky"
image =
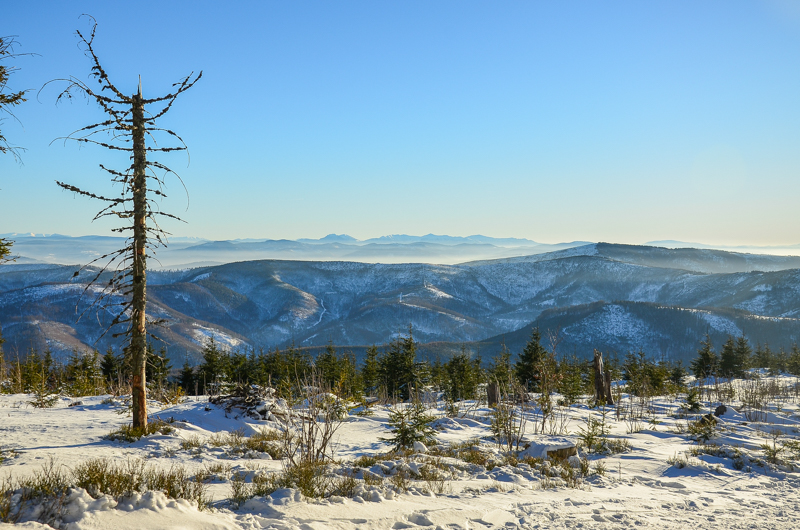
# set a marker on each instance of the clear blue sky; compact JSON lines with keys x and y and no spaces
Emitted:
{"x":555,"y":121}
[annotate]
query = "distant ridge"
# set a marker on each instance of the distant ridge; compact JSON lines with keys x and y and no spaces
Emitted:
{"x":600,"y":295}
{"x":187,"y":252}
{"x":331,"y":238}
{"x":750,"y":249}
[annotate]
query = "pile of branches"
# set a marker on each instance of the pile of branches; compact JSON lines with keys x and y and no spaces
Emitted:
{"x":253,"y":401}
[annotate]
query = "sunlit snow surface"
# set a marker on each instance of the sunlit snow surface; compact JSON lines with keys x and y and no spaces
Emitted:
{"x":640,"y":489}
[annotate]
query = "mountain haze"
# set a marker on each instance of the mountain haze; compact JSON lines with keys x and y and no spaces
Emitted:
{"x":194,"y":252}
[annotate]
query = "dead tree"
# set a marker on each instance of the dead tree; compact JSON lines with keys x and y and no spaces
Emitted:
{"x":602,"y":380}
{"x":9,"y":99}
{"x":130,"y":121}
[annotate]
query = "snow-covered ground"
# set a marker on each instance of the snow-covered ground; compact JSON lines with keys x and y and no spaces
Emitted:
{"x":665,"y":479}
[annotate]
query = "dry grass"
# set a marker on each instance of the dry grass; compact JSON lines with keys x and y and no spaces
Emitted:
{"x":129,"y":433}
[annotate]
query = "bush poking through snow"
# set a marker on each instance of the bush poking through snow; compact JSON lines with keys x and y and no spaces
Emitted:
{"x":594,"y":438}
{"x":129,"y":433}
{"x":170,"y":395}
{"x":401,"y":480}
{"x":265,"y":441}
{"x":43,"y":494}
{"x":313,"y":480}
{"x":44,"y":397}
{"x":410,"y":424}
{"x":305,"y":443}
{"x":241,"y":492}
{"x":692,"y":401}
{"x":193,"y":444}
{"x":104,"y":477}
{"x":772,"y":453}
{"x":468,"y":451}
{"x":505,"y":426}
{"x":365,"y":461}
{"x":592,"y":434}
{"x":703,"y":429}
{"x":679,"y":461}
{"x":47,"y":487}
{"x":600,"y":468}
{"x":6,"y":454}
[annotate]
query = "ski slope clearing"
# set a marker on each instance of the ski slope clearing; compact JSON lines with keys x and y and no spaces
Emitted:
{"x":646,"y":463}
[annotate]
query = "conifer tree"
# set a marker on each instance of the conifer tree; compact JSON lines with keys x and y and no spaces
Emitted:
{"x":5,"y":249}
{"x":727,"y":358}
{"x":327,"y":365}
{"x":237,"y":369}
{"x":793,"y":362}
{"x":398,"y":367}
{"x":706,"y":363}
{"x":572,"y":384}
{"x":528,"y":367}
{"x":780,"y":362}
{"x":501,"y":371}
{"x":187,"y":377}
{"x":213,"y":369}
{"x":743,"y":353}
{"x":110,"y":366}
{"x":763,"y":357}
{"x":463,"y":376}
{"x":158,"y":366}
{"x":7,"y":100}
{"x":370,"y":370}
{"x":677,"y":373}
{"x":131,"y":120}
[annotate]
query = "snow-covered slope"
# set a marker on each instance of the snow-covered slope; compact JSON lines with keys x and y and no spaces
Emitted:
{"x":656,"y":477}
{"x":273,"y":303}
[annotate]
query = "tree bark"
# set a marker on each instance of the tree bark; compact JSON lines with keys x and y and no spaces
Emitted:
{"x":607,"y":387}
{"x":493,"y":394}
{"x":138,"y":329}
{"x":599,"y":381}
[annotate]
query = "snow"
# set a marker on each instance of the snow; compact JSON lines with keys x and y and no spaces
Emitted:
{"x":641,"y":488}
{"x":721,"y":323}
{"x":203,"y":334}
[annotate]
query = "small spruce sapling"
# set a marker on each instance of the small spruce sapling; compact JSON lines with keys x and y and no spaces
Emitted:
{"x":409,"y":425}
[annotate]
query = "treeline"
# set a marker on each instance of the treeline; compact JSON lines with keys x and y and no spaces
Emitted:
{"x":81,"y":374}
{"x":394,"y":371}
{"x":737,"y":356}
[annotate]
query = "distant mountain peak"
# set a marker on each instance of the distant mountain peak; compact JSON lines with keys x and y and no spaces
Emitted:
{"x":339,"y":238}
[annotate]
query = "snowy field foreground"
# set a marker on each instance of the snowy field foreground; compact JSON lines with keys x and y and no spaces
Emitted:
{"x":663,"y":480}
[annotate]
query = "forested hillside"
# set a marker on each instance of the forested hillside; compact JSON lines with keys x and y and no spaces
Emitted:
{"x":606,"y":296}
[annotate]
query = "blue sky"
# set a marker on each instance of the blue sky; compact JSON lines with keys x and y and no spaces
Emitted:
{"x":555,"y":121}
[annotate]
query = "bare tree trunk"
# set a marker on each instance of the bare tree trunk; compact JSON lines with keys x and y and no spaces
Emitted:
{"x":493,"y":394}
{"x":138,"y":329}
{"x":126,"y":122}
{"x":607,"y":387}
{"x":599,"y":380}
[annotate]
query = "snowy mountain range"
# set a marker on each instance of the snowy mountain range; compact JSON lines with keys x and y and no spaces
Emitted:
{"x":601,"y":295}
{"x":186,"y":252}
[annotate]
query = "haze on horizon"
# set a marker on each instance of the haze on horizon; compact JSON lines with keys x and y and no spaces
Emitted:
{"x":622,"y":122}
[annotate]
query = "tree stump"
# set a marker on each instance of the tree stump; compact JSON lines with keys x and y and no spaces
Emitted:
{"x":607,"y":387}
{"x":493,"y":394}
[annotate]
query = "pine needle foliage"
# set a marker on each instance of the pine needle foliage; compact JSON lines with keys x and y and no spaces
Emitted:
{"x":410,"y":424}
